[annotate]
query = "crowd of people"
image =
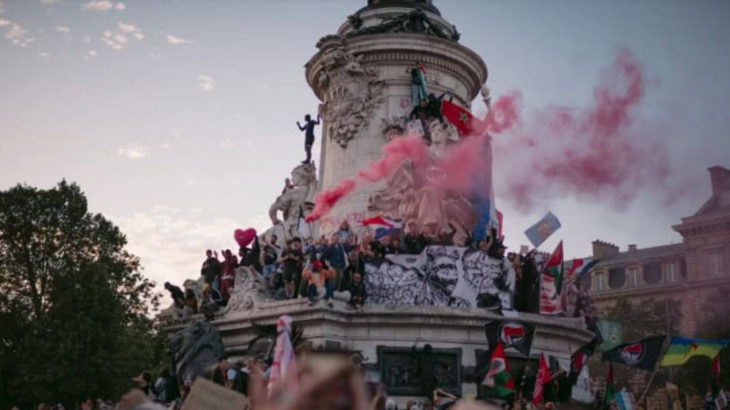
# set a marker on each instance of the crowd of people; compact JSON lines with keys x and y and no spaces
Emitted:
{"x":317,"y":268}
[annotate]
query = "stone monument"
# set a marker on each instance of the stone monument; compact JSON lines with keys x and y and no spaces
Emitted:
{"x":362,"y":76}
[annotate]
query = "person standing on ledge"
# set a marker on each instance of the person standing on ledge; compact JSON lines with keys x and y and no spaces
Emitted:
{"x":308,"y":135}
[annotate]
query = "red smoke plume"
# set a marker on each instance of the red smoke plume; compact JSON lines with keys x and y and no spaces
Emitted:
{"x":394,"y":153}
{"x":325,"y":200}
{"x":593,"y":152}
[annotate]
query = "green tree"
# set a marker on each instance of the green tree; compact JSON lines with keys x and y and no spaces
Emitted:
{"x":75,"y":307}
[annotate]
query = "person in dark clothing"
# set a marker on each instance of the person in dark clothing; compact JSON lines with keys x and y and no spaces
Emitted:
{"x":178,"y":297}
{"x":211,"y":269}
{"x":290,"y":260}
{"x":336,"y":256}
{"x":420,"y":112}
{"x":253,"y":256}
{"x":424,"y":365}
{"x":528,"y":293}
{"x":357,"y":291}
{"x":308,"y":129}
{"x":220,"y":372}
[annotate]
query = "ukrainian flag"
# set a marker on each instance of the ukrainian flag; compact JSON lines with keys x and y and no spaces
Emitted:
{"x":681,"y":349}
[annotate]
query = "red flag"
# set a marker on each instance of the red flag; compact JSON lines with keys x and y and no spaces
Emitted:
{"x":551,"y":282}
{"x":543,"y":378}
{"x":500,"y":219}
{"x":716,"y":368}
{"x":462,"y":119}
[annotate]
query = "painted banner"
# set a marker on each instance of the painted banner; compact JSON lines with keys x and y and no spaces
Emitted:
{"x":542,"y":229}
{"x":611,"y":333}
{"x":441,"y":276}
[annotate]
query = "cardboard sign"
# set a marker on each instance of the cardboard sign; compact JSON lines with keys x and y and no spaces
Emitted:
{"x":210,"y":396}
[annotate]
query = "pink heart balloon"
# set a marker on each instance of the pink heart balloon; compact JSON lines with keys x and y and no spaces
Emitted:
{"x":243,"y":238}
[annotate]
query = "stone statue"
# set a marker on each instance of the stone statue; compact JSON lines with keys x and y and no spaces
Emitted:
{"x":249,"y":289}
{"x":301,"y":196}
{"x":415,"y":21}
{"x":195,"y":349}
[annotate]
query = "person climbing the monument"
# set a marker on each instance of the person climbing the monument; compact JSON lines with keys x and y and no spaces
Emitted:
{"x":178,"y":299}
{"x":357,"y":292}
{"x":290,"y":260}
{"x":210,"y":269}
{"x":420,"y":113}
{"x":308,"y":129}
{"x":418,"y":83}
{"x":270,"y":255}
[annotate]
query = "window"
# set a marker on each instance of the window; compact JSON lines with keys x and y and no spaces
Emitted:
{"x":599,"y":281}
{"x":717,"y":265}
{"x":652,"y":273}
{"x":617,"y":277}
{"x":671,"y":272}
{"x":633,"y":277}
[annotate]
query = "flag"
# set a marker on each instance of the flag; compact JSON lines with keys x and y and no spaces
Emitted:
{"x":283,"y":372}
{"x":461,"y":118}
{"x":581,"y":391}
{"x":303,"y":226}
{"x":680,"y":349}
{"x":510,"y":333}
{"x":625,"y":400}
{"x":551,"y":283}
{"x":498,"y":377}
{"x":542,"y":229}
{"x":580,"y":266}
{"x":543,"y":378}
{"x":642,"y":354}
{"x":716,"y":368}
{"x":382,"y":226}
{"x":610,"y":392}
{"x":579,"y":359}
{"x":610,"y":333}
{"x":483,"y":199}
{"x":422,"y":86}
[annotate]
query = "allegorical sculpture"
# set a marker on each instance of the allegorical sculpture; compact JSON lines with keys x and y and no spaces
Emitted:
{"x":352,"y":90}
{"x":195,"y":349}
{"x":291,"y":201}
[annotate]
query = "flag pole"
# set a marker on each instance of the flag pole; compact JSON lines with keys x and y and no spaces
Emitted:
{"x":648,"y":385}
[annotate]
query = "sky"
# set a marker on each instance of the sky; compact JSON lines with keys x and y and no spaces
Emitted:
{"x":178,"y":117}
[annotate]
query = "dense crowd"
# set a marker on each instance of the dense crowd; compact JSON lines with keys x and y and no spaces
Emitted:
{"x":316,"y":268}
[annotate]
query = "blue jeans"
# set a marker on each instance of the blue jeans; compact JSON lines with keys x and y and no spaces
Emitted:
{"x":268,"y":269}
{"x":328,"y":290}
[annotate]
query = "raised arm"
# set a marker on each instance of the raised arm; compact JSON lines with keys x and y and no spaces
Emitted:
{"x":300,"y":127}
{"x":319,"y":117}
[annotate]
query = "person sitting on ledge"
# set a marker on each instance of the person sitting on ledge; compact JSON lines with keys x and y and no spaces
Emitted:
{"x":357,"y":292}
{"x":318,"y":277}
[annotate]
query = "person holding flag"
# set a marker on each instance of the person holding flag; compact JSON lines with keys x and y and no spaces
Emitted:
{"x":418,"y":83}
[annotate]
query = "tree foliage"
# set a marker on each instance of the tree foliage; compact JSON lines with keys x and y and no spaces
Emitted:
{"x":74,"y":305}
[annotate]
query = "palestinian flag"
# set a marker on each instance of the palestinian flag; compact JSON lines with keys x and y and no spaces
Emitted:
{"x":551,"y":282}
{"x":681,"y":349}
{"x":543,"y":378}
{"x":642,"y":354}
{"x":610,"y":393}
{"x":579,"y":359}
{"x":498,"y":377}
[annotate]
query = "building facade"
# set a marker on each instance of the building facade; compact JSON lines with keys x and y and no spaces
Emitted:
{"x":685,"y":274}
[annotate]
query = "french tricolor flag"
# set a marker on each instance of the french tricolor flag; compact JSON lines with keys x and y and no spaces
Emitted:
{"x":382,"y":226}
{"x":581,"y":266}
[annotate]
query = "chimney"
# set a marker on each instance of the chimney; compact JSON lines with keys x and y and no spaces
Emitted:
{"x":604,"y":250}
{"x":720,"y":178}
{"x":632,"y":247}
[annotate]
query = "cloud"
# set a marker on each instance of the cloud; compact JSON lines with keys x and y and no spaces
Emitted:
{"x":165,"y":145}
{"x":171,"y":242}
{"x":206,"y":83}
{"x":120,"y":6}
{"x":43,"y":54}
{"x":134,"y":151}
{"x":176,"y":41}
{"x":98,"y":5}
{"x":50,"y":1}
{"x":127,"y":28}
{"x":138,"y":36}
{"x":63,"y":29}
{"x":92,"y":53}
{"x":15,"y":33}
{"x":227,"y":145}
{"x":120,"y":38}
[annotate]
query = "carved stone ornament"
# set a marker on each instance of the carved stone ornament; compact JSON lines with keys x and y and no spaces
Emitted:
{"x":351,"y":91}
{"x":250,"y":289}
{"x":415,"y":21}
{"x":393,"y":126}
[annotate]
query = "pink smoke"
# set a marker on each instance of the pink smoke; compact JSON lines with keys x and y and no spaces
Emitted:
{"x":326,"y":200}
{"x":595,"y":152}
{"x":394,"y":153}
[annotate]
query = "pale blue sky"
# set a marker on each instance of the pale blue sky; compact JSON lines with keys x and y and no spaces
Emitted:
{"x":179,"y":123}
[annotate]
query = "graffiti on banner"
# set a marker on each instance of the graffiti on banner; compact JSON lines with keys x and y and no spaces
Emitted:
{"x":441,"y":276}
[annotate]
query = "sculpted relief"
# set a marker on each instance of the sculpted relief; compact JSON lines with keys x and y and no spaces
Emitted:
{"x":351,"y":91}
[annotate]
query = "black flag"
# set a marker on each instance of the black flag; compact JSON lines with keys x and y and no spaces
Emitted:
{"x":642,"y":354}
{"x":580,"y":358}
{"x":512,"y":333}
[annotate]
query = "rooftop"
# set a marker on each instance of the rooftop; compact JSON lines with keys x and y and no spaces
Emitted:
{"x":637,"y":255}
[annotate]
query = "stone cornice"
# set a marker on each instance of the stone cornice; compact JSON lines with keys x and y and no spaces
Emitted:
{"x":699,"y":226}
{"x":401,"y":48}
{"x":659,"y":290}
